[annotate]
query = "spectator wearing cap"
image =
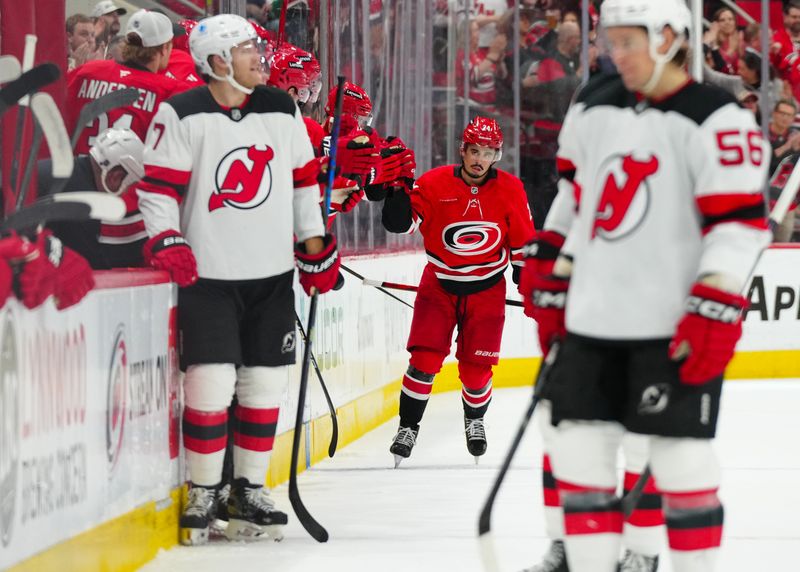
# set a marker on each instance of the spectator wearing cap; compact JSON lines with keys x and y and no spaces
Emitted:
{"x":109,"y":13}
{"x":749,"y":100}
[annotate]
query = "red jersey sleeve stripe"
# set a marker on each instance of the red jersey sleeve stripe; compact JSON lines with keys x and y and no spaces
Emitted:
{"x":747,"y":209}
{"x":174,"y":177}
{"x":306,"y":176}
{"x":150,"y":186}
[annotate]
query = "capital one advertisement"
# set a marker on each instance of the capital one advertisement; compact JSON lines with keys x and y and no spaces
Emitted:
{"x":89,"y":408}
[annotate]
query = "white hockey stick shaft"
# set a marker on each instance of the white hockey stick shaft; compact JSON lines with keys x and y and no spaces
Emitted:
{"x":27,"y":60}
{"x":55,"y":133}
{"x":788,"y":193}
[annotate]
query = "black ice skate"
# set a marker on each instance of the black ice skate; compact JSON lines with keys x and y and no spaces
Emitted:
{"x":403,"y":442}
{"x":633,"y":562}
{"x":554,"y":561}
{"x":252,"y":513}
{"x":220,"y":523}
{"x":475,"y":432}
{"x":198,"y":514}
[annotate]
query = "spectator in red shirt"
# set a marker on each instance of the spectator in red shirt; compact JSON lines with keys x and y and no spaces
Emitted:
{"x":786,"y":41}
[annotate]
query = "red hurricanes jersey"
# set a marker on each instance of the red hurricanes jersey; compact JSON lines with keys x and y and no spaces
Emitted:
{"x":96,"y":78}
{"x":181,"y":67}
{"x":471,"y":233}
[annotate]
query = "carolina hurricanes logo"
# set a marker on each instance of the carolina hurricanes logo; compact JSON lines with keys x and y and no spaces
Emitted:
{"x":243,"y":179}
{"x":622,"y":208}
{"x":471,"y":238}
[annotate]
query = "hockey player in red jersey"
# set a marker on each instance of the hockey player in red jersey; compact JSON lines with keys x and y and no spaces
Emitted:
{"x":146,"y":53}
{"x":645,"y":296}
{"x":229,"y":169}
{"x":474,"y":220}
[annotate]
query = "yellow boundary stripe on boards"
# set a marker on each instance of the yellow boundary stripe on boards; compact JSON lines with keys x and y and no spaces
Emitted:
{"x":127,"y":542}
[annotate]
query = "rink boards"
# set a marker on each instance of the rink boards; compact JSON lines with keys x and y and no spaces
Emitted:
{"x":90,"y":466}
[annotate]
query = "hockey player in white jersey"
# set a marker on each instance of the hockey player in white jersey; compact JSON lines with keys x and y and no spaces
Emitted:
{"x":229,"y":170}
{"x":646,"y":293}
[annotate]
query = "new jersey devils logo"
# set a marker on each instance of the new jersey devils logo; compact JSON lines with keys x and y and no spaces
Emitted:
{"x":243,"y":178}
{"x":471,"y":238}
{"x":622,"y":207}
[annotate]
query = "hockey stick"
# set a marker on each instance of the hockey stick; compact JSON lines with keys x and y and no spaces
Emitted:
{"x":411,"y":288}
{"x":22,"y":112}
{"x":360,"y":277}
{"x":29,"y":82}
{"x":488,"y":554}
{"x":331,"y":408}
{"x":79,"y":206}
{"x":314,"y":528}
{"x":9,"y":68}
{"x":36,"y":142}
{"x":101,"y":105}
{"x":49,"y":119}
{"x":788,"y":193}
{"x":337,"y":120}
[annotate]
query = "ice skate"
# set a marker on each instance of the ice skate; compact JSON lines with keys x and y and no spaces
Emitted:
{"x":403,"y":442}
{"x":554,"y":561}
{"x":220,"y":522}
{"x":198,"y":514}
{"x":634,"y":562}
{"x":252,"y":513}
{"x":475,"y":432}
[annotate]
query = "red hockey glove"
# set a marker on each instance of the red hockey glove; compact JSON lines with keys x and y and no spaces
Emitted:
{"x":38,"y":277}
{"x":73,"y":279}
{"x":540,"y":257}
{"x":13,"y":250}
{"x":169,"y":251}
{"x":356,"y":155}
{"x":320,"y":271}
{"x":408,"y":166}
{"x":345,"y":200}
{"x":6,"y":279}
{"x":708,"y":332}
{"x":546,"y":304}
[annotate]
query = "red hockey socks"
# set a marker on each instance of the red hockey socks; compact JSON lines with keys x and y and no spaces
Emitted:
{"x":593,"y":526}
{"x":204,"y":437}
{"x":476,"y":388}
{"x":694,"y":528}
{"x":643,"y":533}
{"x":252,"y":442}
{"x":553,"y":515}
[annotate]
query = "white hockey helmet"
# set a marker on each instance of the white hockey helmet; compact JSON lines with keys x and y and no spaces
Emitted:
{"x":654,"y":16}
{"x":218,"y":35}
{"x":117,"y":147}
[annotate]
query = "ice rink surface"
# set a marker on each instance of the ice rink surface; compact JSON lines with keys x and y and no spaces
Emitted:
{"x":423,"y":516}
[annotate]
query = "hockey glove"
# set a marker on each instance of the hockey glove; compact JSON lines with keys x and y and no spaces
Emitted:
{"x":356,"y":155}
{"x":708,"y":333}
{"x":38,"y":276}
{"x":169,"y":251}
{"x":73,"y":279}
{"x":345,"y":200}
{"x":319,"y":271}
{"x":540,"y":256}
{"x":546,"y":304}
{"x":13,"y":250}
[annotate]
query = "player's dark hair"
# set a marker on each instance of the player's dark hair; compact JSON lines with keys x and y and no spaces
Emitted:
{"x":133,"y":51}
{"x":791,"y":4}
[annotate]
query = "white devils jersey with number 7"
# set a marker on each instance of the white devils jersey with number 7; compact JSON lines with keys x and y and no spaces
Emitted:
{"x":238,"y":183}
{"x":667,"y":191}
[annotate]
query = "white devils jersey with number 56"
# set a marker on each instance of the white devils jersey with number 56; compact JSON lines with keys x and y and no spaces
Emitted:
{"x":238,"y":183}
{"x":667,"y":192}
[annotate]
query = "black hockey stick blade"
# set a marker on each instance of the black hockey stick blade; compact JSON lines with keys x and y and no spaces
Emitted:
{"x":630,"y":500}
{"x":314,"y":528}
{"x":488,"y":554}
{"x":101,"y":105}
{"x":55,"y":133}
{"x":9,"y":68}
{"x":29,"y":82}
{"x":334,"y":420}
{"x":79,"y":206}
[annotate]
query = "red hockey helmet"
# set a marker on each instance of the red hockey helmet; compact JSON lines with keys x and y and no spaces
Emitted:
{"x":484,"y":132}
{"x":355,"y":103}
{"x":182,"y":42}
{"x":293,"y":67}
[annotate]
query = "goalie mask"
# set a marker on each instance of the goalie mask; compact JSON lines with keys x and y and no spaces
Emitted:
{"x":116,"y":147}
